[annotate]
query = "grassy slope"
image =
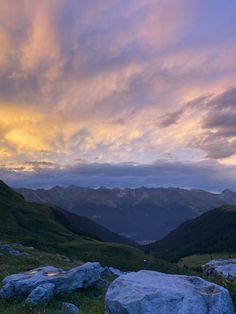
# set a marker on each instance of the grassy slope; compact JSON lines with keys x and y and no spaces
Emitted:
{"x":196,"y":261}
{"x":214,"y":231}
{"x":90,"y":301}
{"x":35,"y":225}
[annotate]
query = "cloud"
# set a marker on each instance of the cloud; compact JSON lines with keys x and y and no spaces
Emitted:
{"x":218,"y":139}
{"x":170,"y":118}
{"x":205,"y":175}
{"x":115,"y":81}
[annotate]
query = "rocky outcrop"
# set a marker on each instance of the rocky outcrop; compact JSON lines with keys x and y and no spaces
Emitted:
{"x":222,"y":267}
{"x":153,"y":292}
{"x":43,"y":283}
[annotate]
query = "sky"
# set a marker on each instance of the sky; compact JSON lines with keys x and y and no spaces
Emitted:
{"x":118,"y":93}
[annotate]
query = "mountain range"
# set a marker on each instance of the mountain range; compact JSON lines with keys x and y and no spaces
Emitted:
{"x":141,"y":214}
{"x":50,"y":229}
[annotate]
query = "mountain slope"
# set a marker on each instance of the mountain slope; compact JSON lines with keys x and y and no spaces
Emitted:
{"x":142,"y":214}
{"x":18,"y":216}
{"x":35,"y":225}
{"x":87,"y":227}
{"x":214,"y":231}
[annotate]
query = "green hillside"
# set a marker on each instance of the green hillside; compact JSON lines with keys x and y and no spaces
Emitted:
{"x":214,"y":231}
{"x":36,"y":225}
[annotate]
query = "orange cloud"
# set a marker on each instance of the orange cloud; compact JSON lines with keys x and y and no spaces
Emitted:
{"x":80,"y":80}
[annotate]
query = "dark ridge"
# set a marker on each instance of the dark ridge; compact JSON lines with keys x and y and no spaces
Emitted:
{"x":214,"y":231}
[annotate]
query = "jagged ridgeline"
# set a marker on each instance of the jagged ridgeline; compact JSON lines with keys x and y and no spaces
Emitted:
{"x":53,"y":230}
{"x":142,"y":214}
{"x":214,"y":231}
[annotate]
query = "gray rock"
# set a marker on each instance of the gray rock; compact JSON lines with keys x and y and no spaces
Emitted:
{"x":69,"y":308}
{"x":225,"y":268}
{"x":156,"y":293}
{"x":64,"y":281}
{"x":5,"y":247}
{"x":17,"y":253}
{"x":41,"y":294}
{"x":11,"y":250}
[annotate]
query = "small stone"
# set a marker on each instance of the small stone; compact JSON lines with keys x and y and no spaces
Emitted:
{"x":69,"y":308}
{"x":30,"y":248}
{"x":18,"y":253}
{"x":5,"y":247}
{"x":18,"y":245}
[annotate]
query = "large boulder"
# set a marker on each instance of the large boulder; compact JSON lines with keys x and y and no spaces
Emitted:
{"x":149,"y":292}
{"x":222,"y":267}
{"x":49,"y":281}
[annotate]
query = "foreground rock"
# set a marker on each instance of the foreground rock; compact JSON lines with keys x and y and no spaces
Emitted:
{"x":41,"y":284}
{"x":152,"y":292}
{"x":222,"y":267}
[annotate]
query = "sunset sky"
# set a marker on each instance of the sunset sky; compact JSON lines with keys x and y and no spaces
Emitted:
{"x":118,"y":93}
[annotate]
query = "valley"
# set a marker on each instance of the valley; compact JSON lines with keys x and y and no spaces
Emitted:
{"x":142,"y":214}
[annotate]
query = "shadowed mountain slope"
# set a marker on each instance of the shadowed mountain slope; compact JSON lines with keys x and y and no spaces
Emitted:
{"x":214,"y":231}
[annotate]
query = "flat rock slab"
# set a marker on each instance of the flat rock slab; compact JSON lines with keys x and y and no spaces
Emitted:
{"x":225,"y":268}
{"x":149,"y":292}
{"x":41,"y":284}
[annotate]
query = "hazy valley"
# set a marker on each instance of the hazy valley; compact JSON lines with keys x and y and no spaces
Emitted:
{"x":142,"y":214}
